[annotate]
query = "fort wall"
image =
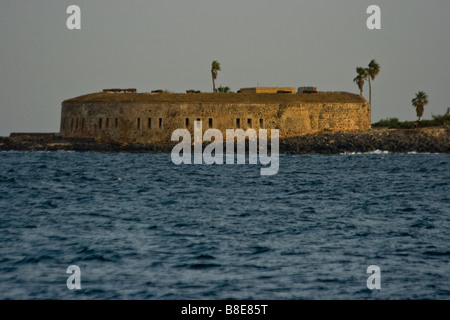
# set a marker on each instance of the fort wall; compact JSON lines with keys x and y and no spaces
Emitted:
{"x":152,"y":119}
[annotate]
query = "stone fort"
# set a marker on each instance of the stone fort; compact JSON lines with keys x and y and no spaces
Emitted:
{"x":127,"y":116}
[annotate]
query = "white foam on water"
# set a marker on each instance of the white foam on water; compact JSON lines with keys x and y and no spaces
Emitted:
{"x":370,"y":152}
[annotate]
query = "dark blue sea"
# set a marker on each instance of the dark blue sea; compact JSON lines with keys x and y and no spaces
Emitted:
{"x":140,"y":227}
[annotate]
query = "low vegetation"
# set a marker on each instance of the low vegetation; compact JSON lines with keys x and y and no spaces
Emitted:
{"x":394,"y":123}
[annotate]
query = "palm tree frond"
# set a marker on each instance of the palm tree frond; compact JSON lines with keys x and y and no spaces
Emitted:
{"x":373,"y":69}
{"x":215,"y":65}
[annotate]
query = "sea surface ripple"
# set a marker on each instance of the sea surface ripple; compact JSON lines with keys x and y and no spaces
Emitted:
{"x":140,"y":227}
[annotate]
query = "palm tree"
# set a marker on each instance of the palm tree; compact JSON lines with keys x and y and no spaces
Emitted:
{"x":359,"y":79}
{"x":418,"y":102}
{"x":372,"y":71}
{"x":214,"y":68}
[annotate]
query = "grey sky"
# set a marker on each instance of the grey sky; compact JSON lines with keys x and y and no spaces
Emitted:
{"x":170,"y":44}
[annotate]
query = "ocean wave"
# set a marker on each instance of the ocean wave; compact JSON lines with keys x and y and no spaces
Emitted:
{"x":368,"y":152}
{"x":223,"y":232}
{"x":377,"y":151}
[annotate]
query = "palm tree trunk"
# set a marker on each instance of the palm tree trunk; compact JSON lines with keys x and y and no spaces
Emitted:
{"x":419,"y":111}
{"x":214,"y":84}
{"x":370,"y":93}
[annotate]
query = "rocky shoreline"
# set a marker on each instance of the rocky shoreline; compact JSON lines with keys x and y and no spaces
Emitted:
{"x":431,"y":140}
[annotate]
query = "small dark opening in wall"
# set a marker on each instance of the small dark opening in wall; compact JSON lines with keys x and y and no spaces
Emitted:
{"x":117,"y":122}
{"x":100,"y":123}
{"x":249,"y":122}
{"x":160,"y":122}
{"x":149,"y":123}
{"x":138,"y":122}
{"x":261,"y":123}
{"x":82,"y":123}
{"x":76,"y":124}
{"x":107,"y":123}
{"x":238,"y":123}
{"x":210,"y":122}
{"x":187,"y":123}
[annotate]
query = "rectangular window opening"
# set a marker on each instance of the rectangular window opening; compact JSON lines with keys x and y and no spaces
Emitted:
{"x":261,"y":123}
{"x":82,"y":123}
{"x":238,"y":123}
{"x":249,"y":123}
{"x":138,"y":122}
{"x":117,"y":122}
{"x":76,"y":124}
{"x":187,"y":123}
{"x":160,"y":122}
{"x":210,"y":122}
{"x":107,"y":123}
{"x":100,"y":123}
{"x":149,"y":123}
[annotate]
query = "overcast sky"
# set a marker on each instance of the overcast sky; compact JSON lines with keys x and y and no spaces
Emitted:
{"x":170,"y":44}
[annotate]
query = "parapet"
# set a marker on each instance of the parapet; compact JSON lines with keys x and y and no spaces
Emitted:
{"x":117,"y":90}
{"x":267,"y":90}
{"x":236,"y":98}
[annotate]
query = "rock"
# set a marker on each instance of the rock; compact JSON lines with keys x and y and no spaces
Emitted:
{"x":433,"y":140}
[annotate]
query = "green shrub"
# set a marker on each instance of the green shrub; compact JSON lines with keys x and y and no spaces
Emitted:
{"x":394,"y":123}
{"x":442,"y":120}
{"x":391,"y":123}
{"x":407,"y":125}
